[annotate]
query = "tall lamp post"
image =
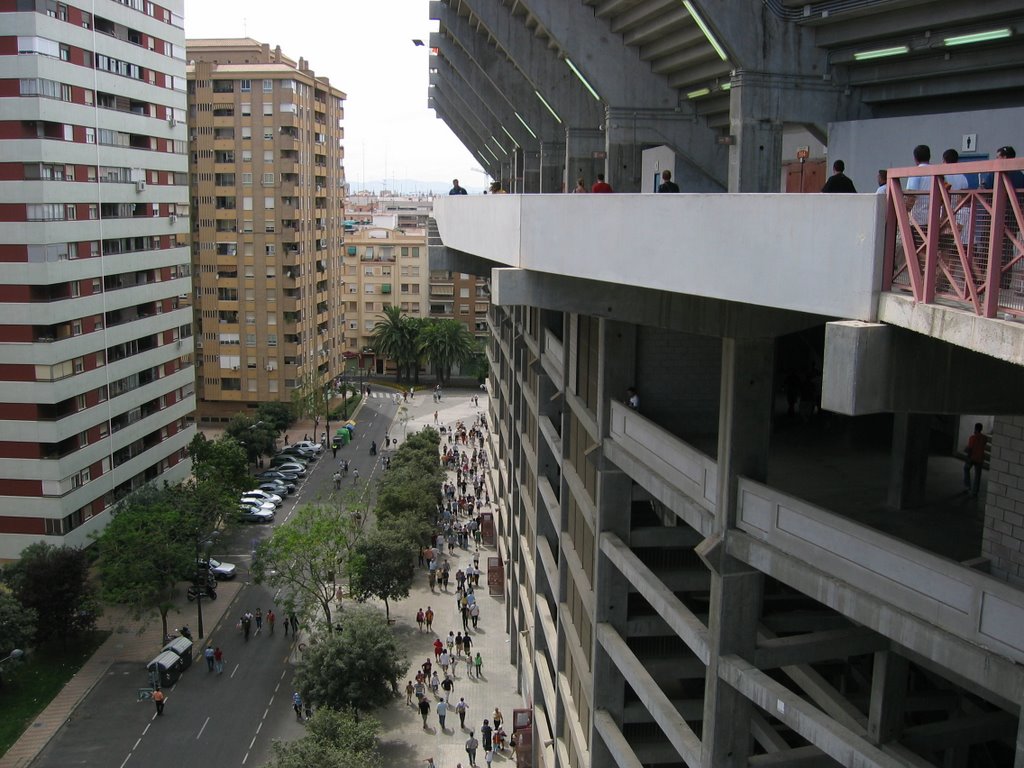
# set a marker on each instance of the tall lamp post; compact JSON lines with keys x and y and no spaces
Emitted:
{"x":17,"y":653}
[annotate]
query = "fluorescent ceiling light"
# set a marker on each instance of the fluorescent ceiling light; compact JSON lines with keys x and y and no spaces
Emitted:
{"x":725,"y":86}
{"x":705,"y":29}
{"x":698,"y":93}
{"x":498,"y":145}
{"x":514,"y":142}
{"x":978,"y":37}
{"x":582,"y":79}
{"x":881,"y":53}
{"x":548,"y":107}
{"x":527,"y":127}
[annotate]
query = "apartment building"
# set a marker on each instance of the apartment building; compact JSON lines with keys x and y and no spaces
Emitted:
{"x":96,"y":340}
{"x":461,"y":296}
{"x":267,"y":179}
{"x":384,"y":267}
{"x":768,"y":558}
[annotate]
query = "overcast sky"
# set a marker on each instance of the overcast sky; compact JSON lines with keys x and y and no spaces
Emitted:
{"x":365,"y":48}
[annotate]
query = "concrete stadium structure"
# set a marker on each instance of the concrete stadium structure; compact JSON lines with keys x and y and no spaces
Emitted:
{"x":771,"y":561}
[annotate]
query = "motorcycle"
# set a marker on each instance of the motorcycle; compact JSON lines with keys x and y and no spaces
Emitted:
{"x":194,"y":591}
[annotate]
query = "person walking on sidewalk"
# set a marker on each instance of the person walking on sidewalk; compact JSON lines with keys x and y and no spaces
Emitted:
{"x":478,"y":664}
{"x":424,"y":711}
{"x":460,"y":709}
{"x":410,"y":689}
{"x":158,"y":699}
{"x":428,"y":618}
{"x":471,"y":746}
{"x":259,"y":620}
{"x":297,"y":705}
{"x":467,"y":643}
{"x":208,"y":655}
{"x":271,"y":618}
{"x":218,"y":660}
{"x":442,"y":711}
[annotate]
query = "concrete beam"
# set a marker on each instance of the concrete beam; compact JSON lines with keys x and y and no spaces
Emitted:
{"x":974,"y":729}
{"x":462,"y":134}
{"x":799,"y":757}
{"x":878,"y":368}
{"x":835,"y":740}
{"x":500,"y":114}
{"x":817,"y":646}
{"x":539,"y":63}
{"x":662,"y":309}
{"x":470,"y":127}
{"x":495,"y":65}
{"x":617,"y":744}
{"x":463,"y":97}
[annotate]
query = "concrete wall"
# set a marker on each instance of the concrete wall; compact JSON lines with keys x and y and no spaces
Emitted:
{"x":1003,"y":537}
{"x":867,"y":145}
{"x":809,"y":253}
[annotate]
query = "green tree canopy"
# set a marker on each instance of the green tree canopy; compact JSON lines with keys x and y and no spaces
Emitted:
{"x":257,"y":437}
{"x":17,"y":624}
{"x":334,"y":739}
{"x":446,"y":343}
{"x":54,"y":582}
{"x":357,"y":667}
{"x":382,"y":567}
{"x":149,"y":545}
{"x":311,"y":399}
{"x":222,"y":462}
{"x":308,"y":555}
{"x":277,"y":414}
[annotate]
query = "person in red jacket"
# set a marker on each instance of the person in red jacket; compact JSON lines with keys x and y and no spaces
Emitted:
{"x":601,"y":185}
{"x":975,"y":451}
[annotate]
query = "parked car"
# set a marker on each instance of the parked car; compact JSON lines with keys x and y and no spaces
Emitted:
{"x":221,"y":571}
{"x":278,"y":487}
{"x":303,"y":453}
{"x":258,"y":504}
{"x":249,"y":513}
{"x":273,"y":475}
{"x":292,"y":466}
{"x":308,"y":444}
{"x":286,"y":456}
{"x":261,"y":496}
{"x":281,"y":459}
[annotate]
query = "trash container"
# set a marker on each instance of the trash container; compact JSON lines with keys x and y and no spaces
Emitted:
{"x":165,"y":668}
{"x":182,"y":646}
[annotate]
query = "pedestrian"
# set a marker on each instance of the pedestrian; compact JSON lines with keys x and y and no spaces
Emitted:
{"x":478,"y":663}
{"x":420,"y":689}
{"x":428,"y":618}
{"x":158,"y":699}
{"x":450,"y":641}
{"x":465,"y":618}
{"x":461,"y":708}
{"x":337,"y":480}
{"x":601,"y":185}
{"x":208,"y":655}
{"x":295,"y":624}
{"x":497,"y":718}
{"x":246,"y":624}
{"x":447,"y":685}
{"x":435,"y":684}
{"x":445,"y":660}
{"x":259,"y":620}
{"x":485,"y":735}
{"x":424,"y":711}
{"x":474,"y":613}
{"x":471,"y":745}
{"x":467,"y":643}
{"x":488,"y":757}
{"x":307,"y":708}
{"x":442,"y":711}
{"x":438,"y":648}
{"x":287,"y":623}
{"x":410,"y":689}
{"x":218,"y":660}
{"x":667,"y":185}
{"x":271,"y":618}
{"x":426,"y":667}
{"x":458,"y":644}
{"x":839,"y":181}
{"x":419,"y":618}
{"x":975,"y":458}
{"x":297,"y":705}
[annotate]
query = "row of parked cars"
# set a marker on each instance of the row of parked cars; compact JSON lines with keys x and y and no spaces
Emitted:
{"x":287,"y":469}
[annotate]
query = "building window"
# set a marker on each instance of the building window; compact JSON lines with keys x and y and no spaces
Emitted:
{"x":245,"y":85}
{"x":268,"y":85}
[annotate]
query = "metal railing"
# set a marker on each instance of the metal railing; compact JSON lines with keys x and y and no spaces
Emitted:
{"x":958,"y":245}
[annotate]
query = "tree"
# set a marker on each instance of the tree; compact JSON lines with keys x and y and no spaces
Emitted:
{"x":54,"y":582}
{"x":258,"y":437}
{"x":222,"y":461}
{"x":17,"y":626}
{"x":382,"y":567}
{"x":311,"y":399}
{"x":446,"y":343}
{"x":307,"y":554}
{"x":357,"y":667}
{"x":146,"y":549}
{"x":277,"y":414}
{"x":396,"y":337}
{"x":334,"y":739}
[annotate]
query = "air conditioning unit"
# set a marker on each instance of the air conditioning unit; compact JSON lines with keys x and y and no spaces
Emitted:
{"x":171,"y":121}
{"x":234,"y":367}
{"x":172,"y":218}
{"x":140,"y":186}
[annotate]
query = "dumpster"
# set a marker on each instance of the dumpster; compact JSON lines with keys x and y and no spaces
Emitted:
{"x":182,"y":646}
{"x":342,"y":436}
{"x":165,"y":669}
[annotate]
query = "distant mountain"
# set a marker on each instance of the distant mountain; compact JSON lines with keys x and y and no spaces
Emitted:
{"x":408,"y":186}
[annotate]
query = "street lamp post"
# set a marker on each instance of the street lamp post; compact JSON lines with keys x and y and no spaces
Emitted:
{"x":17,"y":653}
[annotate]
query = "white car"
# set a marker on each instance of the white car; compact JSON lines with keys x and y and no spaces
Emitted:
{"x":221,"y":571}
{"x":309,"y":445}
{"x":290,"y":466}
{"x":262,"y":496}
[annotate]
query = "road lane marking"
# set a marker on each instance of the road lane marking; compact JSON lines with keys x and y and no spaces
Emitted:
{"x":232,"y":676}
{"x":146,"y":729}
{"x":258,"y":729}
{"x":265,"y":711}
{"x":202,"y":729}
{"x":137,"y":742}
{"x":245,"y":758}
{"x":252,"y":742}
{"x":126,"y":759}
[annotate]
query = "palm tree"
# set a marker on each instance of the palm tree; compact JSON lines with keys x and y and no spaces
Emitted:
{"x":396,"y":338}
{"x":446,"y":343}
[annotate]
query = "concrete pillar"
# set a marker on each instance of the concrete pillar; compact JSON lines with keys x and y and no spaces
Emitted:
{"x":552,"y":166}
{"x":531,"y":170}
{"x":614,"y":498}
{"x":736,"y":588}
{"x":908,"y":462}
{"x":582,"y":144}
{"x":888,"y":695}
{"x":755,"y":156}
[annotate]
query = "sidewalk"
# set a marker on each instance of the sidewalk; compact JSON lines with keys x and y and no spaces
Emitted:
{"x":131,"y":640}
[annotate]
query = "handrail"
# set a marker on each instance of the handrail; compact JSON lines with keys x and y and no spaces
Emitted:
{"x":960,"y":245}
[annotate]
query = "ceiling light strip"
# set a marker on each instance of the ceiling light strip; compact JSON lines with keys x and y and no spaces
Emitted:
{"x":705,"y":29}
